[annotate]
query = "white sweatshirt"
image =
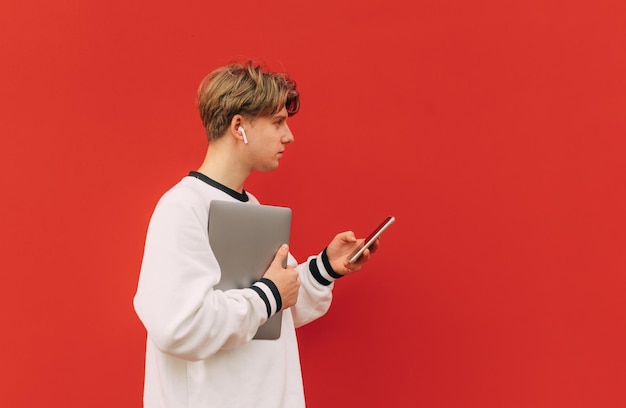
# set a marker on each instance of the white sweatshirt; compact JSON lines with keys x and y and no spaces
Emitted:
{"x":199,"y":350}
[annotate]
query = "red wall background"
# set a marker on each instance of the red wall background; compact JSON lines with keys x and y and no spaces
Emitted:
{"x":493,"y":131}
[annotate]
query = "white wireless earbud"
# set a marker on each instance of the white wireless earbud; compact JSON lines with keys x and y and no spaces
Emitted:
{"x":243,"y":133}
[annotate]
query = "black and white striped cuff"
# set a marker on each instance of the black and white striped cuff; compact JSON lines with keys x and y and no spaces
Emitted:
{"x":322,"y":271}
{"x":268,"y":292}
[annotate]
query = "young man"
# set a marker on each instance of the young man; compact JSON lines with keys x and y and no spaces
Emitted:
{"x":200,"y":349}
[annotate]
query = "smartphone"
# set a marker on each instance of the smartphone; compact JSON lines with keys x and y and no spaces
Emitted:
{"x":370,"y":239}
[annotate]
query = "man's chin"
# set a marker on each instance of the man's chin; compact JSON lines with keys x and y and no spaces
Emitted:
{"x":267,"y":169}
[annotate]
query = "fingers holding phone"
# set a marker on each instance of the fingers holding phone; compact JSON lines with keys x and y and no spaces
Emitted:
{"x":372,"y":242}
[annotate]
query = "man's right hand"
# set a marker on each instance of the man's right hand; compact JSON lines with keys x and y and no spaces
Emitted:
{"x":285,"y":279}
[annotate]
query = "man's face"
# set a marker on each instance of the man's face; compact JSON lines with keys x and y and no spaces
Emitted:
{"x":267,"y":139}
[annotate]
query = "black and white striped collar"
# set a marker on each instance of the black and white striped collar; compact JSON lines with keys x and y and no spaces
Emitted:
{"x":243,"y":197}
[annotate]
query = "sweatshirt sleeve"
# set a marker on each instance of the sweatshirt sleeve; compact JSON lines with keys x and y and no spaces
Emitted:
{"x":176,"y":301}
{"x":317,"y":279}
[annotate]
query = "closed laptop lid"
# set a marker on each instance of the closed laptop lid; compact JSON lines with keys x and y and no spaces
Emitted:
{"x":245,"y":238}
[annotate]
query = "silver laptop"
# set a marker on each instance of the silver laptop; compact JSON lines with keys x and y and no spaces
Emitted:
{"x":245,"y":238}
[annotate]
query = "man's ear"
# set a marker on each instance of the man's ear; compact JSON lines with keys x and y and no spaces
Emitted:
{"x":236,"y":129}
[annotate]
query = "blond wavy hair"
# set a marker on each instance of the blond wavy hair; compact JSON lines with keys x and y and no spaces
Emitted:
{"x":247,"y":89}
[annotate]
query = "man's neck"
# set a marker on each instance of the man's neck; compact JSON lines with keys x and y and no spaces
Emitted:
{"x":224,"y":168}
